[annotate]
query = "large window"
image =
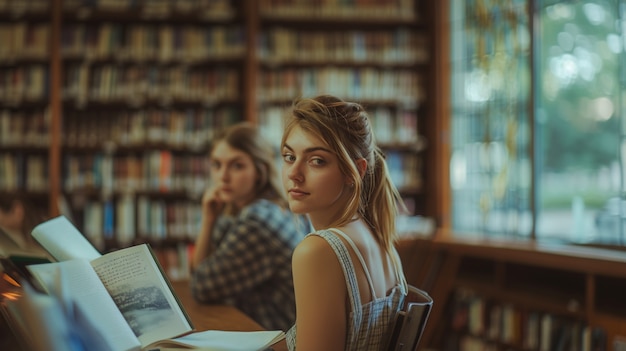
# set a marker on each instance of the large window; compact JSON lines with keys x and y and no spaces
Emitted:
{"x":538,"y":94}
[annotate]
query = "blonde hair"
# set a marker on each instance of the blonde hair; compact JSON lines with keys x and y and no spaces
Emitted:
{"x":246,"y":137}
{"x":346,"y":129}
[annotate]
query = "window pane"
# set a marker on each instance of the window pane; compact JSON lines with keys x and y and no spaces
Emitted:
{"x":490,"y":167}
{"x":578,"y":131}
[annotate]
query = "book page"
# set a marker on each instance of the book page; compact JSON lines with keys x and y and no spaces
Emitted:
{"x":63,"y":241}
{"x":221,"y":340}
{"x":142,"y":294}
{"x":87,"y":304}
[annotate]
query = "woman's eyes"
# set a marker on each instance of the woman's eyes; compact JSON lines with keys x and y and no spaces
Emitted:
{"x":289,"y":158}
{"x":318,"y":161}
{"x":315,"y":161}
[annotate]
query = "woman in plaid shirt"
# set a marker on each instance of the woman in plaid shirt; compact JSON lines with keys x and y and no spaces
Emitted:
{"x":242,"y":255}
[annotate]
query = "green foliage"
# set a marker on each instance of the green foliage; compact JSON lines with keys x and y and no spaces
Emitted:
{"x":573,"y":137}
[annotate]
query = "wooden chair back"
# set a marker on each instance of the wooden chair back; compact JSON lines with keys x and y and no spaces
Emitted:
{"x":410,"y":321}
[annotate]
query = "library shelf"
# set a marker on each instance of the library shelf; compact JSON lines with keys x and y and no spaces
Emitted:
{"x":127,"y":94}
{"x":502,"y":294}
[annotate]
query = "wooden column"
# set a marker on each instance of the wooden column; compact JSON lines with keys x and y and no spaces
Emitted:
{"x":439,"y":177}
{"x":56,"y":121}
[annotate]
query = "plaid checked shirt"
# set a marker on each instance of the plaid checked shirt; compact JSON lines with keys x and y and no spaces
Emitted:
{"x":251,"y":265}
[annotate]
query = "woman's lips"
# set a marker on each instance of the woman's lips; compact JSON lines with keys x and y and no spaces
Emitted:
{"x":296,"y":193}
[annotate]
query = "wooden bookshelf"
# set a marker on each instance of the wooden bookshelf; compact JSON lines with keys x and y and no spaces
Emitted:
{"x":378,"y":54}
{"x":145,"y":86}
{"x":26,"y":144}
{"x":123,"y":97}
{"x":490,"y":294}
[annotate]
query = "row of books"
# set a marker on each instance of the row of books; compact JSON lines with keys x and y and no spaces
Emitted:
{"x":189,"y":129}
{"x":153,"y":171}
{"x":339,"y":8}
{"x":393,"y":126}
{"x":24,"y":41}
{"x":22,"y":7}
{"x":20,"y":171}
{"x":168,"y":84}
{"x":27,"y":128}
{"x":223,"y":9}
{"x":215,"y":9}
{"x":179,"y":129}
{"x":164,"y":171}
{"x":127,"y":218}
{"x":366,"y":83}
{"x":400,"y":45}
{"x":23,"y":83}
{"x":191,"y":44}
{"x":491,"y":324}
{"x":158,"y":42}
{"x":136,"y":83}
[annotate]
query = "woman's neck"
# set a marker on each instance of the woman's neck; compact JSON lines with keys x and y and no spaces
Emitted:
{"x":325,"y":223}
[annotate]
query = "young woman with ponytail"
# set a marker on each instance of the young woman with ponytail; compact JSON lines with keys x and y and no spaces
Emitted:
{"x":347,"y":274}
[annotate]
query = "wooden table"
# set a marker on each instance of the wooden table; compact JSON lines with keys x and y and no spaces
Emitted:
{"x":203,"y":317}
{"x":218,"y":317}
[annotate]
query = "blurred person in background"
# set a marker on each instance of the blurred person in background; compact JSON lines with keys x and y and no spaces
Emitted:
{"x":18,"y":217}
{"x":242,"y":255}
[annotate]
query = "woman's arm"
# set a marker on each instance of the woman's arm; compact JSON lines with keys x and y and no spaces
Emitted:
{"x":212,"y":208}
{"x":203,"y":247}
{"x":321,"y":296}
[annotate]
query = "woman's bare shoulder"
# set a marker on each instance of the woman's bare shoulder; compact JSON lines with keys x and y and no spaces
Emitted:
{"x":316,"y":265}
{"x":313,"y":247}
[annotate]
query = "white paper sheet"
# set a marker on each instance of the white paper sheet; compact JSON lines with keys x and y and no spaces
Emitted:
{"x":63,"y":241}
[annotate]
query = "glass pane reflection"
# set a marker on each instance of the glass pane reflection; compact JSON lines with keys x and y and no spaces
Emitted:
{"x":577,"y":123}
{"x":576,"y":171}
{"x":489,"y":168}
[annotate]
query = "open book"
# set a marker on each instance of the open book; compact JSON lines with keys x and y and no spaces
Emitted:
{"x":121,"y":299}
